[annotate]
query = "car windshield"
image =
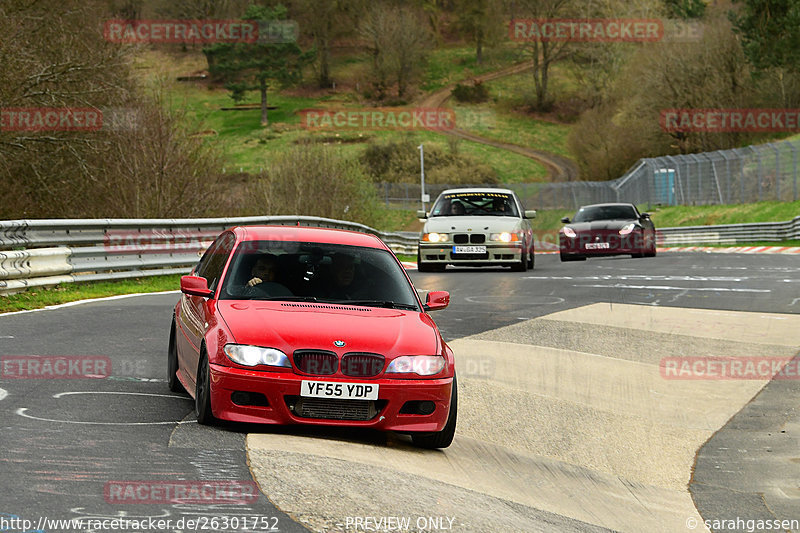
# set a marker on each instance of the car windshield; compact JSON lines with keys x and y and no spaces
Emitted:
{"x":308,"y":271}
{"x":475,"y":204}
{"x":605,"y":212}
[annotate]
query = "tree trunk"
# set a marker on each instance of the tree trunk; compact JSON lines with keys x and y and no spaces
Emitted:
{"x":541,"y":71}
{"x":479,"y":48}
{"x":264,"y":117}
{"x":541,"y":95}
{"x":324,"y":79}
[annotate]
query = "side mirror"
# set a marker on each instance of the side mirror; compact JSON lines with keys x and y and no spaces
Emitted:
{"x":195,"y":286}
{"x":565,"y":220}
{"x":644,"y":216}
{"x":530,"y":213}
{"x":422,"y":214}
{"x":437,"y":300}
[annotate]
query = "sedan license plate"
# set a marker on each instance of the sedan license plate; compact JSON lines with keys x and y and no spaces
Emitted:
{"x":469,"y":249}
{"x":597,"y":245}
{"x":338,"y":390}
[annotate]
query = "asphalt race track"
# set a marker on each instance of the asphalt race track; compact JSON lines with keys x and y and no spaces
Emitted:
{"x":565,"y":421}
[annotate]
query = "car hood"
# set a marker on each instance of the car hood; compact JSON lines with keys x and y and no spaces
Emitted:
{"x":476,"y":224}
{"x":289,"y":326}
{"x":599,"y":225}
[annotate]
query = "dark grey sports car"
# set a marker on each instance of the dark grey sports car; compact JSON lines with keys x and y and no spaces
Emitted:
{"x":607,"y":229}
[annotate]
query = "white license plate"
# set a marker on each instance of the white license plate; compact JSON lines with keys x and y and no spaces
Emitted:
{"x":597,"y":246}
{"x":469,"y":249}
{"x":339,"y":390}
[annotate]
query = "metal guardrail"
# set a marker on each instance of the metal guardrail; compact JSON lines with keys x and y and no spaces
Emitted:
{"x":49,"y":252}
{"x":37,"y":253}
{"x":731,"y":233}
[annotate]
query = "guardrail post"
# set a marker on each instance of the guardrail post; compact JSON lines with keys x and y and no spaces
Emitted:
{"x":760,"y":176}
{"x":794,"y":170}
{"x":777,"y":171}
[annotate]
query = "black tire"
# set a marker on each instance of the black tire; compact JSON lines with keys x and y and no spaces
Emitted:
{"x":172,"y":363}
{"x":443,"y":438}
{"x":565,"y":258}
{"x":531,"y":261}
{"x":202,"y":392}
{"x":652,"y":251}
{"x":522,"y":266}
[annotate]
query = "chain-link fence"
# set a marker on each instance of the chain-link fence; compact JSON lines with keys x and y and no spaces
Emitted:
{"x":739,"y":176}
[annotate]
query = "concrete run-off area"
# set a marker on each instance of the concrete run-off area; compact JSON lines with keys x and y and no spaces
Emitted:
{"x":566,"y":423}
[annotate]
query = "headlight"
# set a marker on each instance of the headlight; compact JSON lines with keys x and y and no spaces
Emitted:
{"x":569,"y":232}
{"x":256,"y":355}
{"x":434,"y":237}
{"x":627,"y":229}
{"x":424,"y":365}
{"x":504,"y":237}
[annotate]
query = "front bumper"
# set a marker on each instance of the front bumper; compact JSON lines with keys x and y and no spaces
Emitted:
{"x":282,"y":388}
{"x":496,"y":253}
{"x":601,"y":243}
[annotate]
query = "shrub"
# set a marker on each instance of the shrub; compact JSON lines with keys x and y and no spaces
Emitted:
{"x":475,"y":93}
{"x":398,"y":162}
{"x":314,"y":180}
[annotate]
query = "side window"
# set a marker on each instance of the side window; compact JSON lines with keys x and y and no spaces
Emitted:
{"x":213,"y":261}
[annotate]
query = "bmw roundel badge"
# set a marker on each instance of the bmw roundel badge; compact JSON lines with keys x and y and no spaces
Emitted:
{"x":339,"y":344}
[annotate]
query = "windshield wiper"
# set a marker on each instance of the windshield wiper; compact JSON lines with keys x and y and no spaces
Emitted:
{"x":288,"y":298}
{"x":380,"y":303}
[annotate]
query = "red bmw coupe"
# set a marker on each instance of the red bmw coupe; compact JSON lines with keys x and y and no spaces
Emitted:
{"x":291,"y":325}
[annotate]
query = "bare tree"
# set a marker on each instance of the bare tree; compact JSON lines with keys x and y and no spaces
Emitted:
{"x":314,"y":180}
{"x":53,"y":56}
{"x":324,"y":21}
{"x":481,"y":21}
{"x":545,"y":53}
{"x":398,"y":40}
{"x":201,"y":9}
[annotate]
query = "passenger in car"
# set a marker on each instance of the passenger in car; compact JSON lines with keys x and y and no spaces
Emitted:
{"x":343,"y":279}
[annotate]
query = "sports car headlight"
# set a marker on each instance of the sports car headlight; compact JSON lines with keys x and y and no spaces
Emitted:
{"x":434,"y":237}
{"x":504,"y":237}
{"x":424,"y":365}
{"x":256,"y":355}
{"x":569,"y":232}
{"x":627,"y":229}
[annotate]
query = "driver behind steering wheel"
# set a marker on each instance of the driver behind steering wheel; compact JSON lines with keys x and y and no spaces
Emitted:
{"x":262,"y":280}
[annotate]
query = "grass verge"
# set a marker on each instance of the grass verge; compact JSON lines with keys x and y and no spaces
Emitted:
{"x":42,"y":297}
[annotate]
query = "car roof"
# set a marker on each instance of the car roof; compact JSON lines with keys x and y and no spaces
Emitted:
{"x":611,"y":204}
{"x":308,"y":234}
{"x":478,"y":189}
